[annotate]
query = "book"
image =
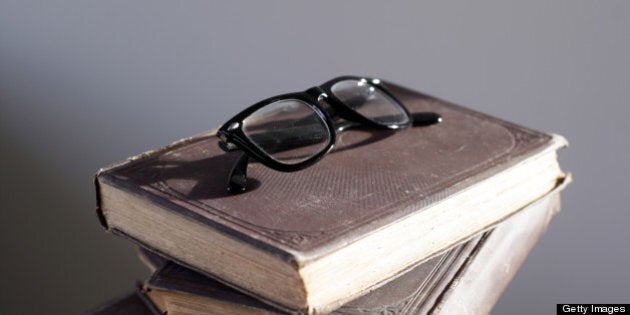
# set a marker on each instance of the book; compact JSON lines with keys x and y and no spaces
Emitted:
{"x":481,"y":281}
{"x":312,"y":240}
{"x":135,"y":303}
{"x":153,"y":261}
{"x":467,"y":279}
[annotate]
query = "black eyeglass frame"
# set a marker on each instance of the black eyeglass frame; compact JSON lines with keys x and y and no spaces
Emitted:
{"x":232,"y":137}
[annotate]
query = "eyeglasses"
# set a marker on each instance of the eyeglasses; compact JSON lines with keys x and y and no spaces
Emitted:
{"x":292,"y":131}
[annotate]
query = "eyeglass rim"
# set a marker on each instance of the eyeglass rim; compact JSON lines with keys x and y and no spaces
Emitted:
{"x":232,"y":130}
{"x":348,"y":113}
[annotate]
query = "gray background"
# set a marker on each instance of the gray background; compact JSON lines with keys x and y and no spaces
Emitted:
{"x":84,"y":84}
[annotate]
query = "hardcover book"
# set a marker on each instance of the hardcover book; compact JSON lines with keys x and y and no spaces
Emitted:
{"x":467,"y":279}
{"x":311,"y":241}
{"x":135,"y":303}
{"x":150,"y":259}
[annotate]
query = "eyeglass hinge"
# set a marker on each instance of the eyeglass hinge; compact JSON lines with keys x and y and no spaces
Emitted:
{"x":227,"y":146}
{"x":317,"y":92}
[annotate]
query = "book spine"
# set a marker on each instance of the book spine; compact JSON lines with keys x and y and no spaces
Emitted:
{"x":99,"y":209}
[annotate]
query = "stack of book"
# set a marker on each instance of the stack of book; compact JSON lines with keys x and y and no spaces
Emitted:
{"x":432,"y":219}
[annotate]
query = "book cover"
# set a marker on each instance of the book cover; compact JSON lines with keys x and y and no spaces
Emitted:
{"x":135,"y":303}
{"x":467,"y":279}
{"x":310,"y":241}
{"x":151,"y":260}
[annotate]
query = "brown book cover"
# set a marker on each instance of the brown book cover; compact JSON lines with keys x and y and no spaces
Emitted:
{"x":135,"y":303}
{"x":312,"y":240}
{"x":467,"y":279}
{"x":150,"y":259}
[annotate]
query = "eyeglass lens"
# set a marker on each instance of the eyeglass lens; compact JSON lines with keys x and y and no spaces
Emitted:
{"x":290,"y":131}
{"x":369,"y":101}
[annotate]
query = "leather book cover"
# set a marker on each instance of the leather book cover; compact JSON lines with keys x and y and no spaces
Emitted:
{"x":150,"y":259}
{"x":135,"y":303}
{"x":467,"y":279}
{"x":370,"y":183}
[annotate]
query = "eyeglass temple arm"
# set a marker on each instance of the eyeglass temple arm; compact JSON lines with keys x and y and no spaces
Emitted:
{"x":425,"y":118}
{"x":341,"y":124}
{"x":418,"y":119}
{"x":237,"y":180}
